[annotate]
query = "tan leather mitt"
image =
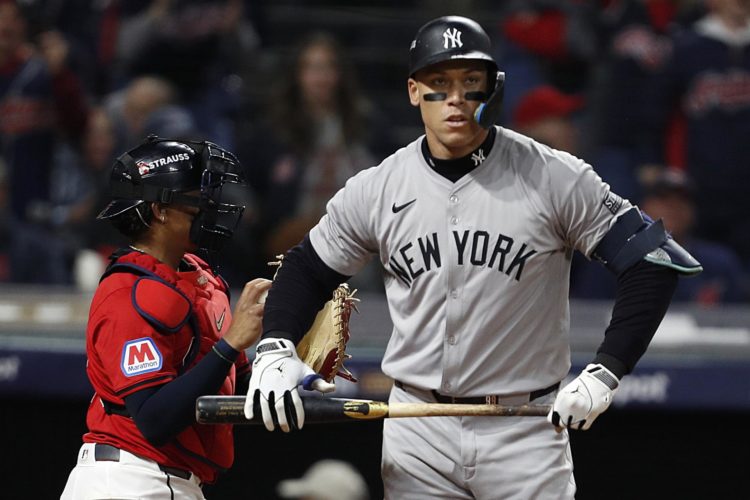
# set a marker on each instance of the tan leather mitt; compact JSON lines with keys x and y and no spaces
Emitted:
{"x":323,"y":347}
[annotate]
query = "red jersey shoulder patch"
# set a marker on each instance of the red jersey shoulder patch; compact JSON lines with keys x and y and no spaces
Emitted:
{"x":140,"y":356}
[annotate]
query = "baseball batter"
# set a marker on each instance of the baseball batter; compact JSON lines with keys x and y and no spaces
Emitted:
{"x":160,"y":331}
{"x":475,"y":226}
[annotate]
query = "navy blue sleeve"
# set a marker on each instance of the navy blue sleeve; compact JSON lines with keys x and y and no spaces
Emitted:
{"x":644,"y":293}
{"x":162,"y":412}
{"x":300,"y":289}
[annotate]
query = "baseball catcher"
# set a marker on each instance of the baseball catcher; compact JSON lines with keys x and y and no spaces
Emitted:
{"x":160,"y":331}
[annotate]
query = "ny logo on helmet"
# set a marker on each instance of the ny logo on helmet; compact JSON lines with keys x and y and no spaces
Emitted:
{"x":453,"y":37}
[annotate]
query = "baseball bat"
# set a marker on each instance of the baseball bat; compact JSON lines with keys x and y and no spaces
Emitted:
{"x":230,"y":410}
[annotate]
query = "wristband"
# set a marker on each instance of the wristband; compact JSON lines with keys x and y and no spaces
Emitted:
{"x":229,"y":354}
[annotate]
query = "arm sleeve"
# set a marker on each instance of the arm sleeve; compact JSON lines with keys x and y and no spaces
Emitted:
{"x":644,"y":293}
{"x":162,"y":412}
{"x":302,"y":286}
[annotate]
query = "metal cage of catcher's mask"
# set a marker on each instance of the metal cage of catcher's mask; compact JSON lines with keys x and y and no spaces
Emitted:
{"x":219,"y":216}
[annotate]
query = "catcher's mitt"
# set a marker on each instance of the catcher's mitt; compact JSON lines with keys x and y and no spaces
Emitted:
{"x":323,"y":347}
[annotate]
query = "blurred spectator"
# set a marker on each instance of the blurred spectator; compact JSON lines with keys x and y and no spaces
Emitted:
{"x":90,"y":31}
{"x":26,"y":114}
{"x":635,"y":45}
{"x":321,"y":131}
{"x":706,"y":81}
{"x":81,"y":191}
{"x":198,"y":46}
{"x":40,"y":101}
{"x":545,"y":42}
{"x":547,"y":115}
{"x":668,"y":195}
{"x":326,"y":480}
{"x":70,"y":100}
{"x":147,"y":106}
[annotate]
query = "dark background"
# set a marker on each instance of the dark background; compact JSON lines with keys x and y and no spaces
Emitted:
{"x":627,"y":454}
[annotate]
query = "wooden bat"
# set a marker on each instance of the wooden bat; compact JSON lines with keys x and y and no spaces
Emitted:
{"x":230,"y":410}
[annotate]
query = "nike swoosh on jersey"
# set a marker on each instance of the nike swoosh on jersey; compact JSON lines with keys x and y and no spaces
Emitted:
{"x":220,"y":320}
{"x":397,"y":209}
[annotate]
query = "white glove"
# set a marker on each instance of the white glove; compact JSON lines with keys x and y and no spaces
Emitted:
{"x":277,"y":371}
{"x":579,"y":403}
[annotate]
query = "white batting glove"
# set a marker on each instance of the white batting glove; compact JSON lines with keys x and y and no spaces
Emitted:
{"x":277,"y":371}
{"x":579,"y":403}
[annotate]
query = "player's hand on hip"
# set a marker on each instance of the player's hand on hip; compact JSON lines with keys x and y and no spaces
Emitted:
{"x":277,"y":372}
{"x":247,"y":317}
{"x":579,"y":403}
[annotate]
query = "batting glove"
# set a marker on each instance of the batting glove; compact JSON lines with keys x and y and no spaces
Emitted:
{"x":579,"y":403}
{"x":277,"y":371}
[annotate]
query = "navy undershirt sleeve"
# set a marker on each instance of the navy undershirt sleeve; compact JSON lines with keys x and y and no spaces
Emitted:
{"x":300,"y":289}
{"x":644,"y":293}
{"x":162,"y":412}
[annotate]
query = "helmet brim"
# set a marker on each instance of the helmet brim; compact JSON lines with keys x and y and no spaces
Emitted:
{"x":442,"y":57}
{"x":117,"y":207}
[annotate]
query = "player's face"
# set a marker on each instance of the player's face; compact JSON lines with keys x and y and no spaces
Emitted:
{"x":449,"y":123}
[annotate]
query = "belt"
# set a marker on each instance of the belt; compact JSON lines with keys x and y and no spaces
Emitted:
{"x":480,"y":400}
{"x":108,"y":453}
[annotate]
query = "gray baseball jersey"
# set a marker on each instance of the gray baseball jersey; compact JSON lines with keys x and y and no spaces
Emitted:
{"x":477,"y":270}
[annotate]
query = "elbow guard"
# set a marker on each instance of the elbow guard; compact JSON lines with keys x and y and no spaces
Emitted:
{"x":633,"y":238}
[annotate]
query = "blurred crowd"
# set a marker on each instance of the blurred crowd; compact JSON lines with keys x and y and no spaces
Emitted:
{"x":655,"y":94}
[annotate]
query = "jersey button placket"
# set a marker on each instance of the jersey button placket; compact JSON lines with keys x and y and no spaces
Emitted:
{"x":453,"y":201}
{"x":451,"y":355}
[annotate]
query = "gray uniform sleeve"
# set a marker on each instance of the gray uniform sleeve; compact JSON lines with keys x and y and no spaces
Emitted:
{"x":583,"y":203}
{"x":344,"y":237}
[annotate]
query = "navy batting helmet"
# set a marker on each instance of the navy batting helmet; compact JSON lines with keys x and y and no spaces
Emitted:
{"x":164,"y":170}
{"x":449,"y":37}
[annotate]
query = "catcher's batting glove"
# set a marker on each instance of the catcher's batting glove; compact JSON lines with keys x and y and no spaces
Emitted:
{"x":579,"y":403}
{"x":277,"y":371}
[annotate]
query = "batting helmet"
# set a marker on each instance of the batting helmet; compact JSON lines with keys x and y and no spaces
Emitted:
{"x":449,"y":37}
{"x":456,"y":37}
{"x":163,"y":170}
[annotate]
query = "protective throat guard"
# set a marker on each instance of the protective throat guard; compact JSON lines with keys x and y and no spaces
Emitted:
{"x":634,"y":238}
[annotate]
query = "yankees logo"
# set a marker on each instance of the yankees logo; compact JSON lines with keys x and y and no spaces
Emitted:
{"x":478,"y":157}
{"x":452,"y":37}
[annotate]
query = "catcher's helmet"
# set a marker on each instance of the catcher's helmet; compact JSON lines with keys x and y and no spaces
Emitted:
{"x":449,"y":37}
{"x":163,"y":170}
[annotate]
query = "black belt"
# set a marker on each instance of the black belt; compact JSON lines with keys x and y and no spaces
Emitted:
{"x":108,"y":453}
{"x":480,"y":400}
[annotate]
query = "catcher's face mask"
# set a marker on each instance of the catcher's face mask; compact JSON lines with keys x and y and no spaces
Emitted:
{"x":219,"y":215}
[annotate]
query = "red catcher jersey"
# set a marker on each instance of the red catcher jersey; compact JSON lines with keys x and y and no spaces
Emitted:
{"x":127,"y":352}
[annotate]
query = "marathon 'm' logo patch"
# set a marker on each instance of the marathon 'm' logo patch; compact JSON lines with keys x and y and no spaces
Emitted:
{"x":140,"y":356}
{"x":612,"y":201}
